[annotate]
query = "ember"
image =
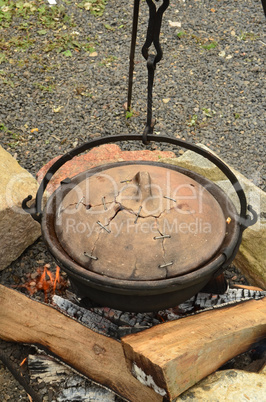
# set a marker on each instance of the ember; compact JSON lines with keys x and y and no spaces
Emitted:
{"x":116,"y":323}
{"x":46,"y":281}
{"x":23,"y":361}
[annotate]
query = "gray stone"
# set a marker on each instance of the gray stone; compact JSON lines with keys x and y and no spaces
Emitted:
{"x":17,"y":229}
{"x":228,"y":385}
{"x":251,"y":257}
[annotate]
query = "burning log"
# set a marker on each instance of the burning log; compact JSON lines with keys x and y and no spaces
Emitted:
{"x":69,"y":386}
{"x":144,"y":366}
{"x":45,"y":281}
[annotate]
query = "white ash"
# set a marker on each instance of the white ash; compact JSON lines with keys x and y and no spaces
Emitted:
{"x":146,"y":379}
{"x":63,"y":381}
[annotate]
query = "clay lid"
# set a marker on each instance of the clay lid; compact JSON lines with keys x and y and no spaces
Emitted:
{"x":140,"y":222}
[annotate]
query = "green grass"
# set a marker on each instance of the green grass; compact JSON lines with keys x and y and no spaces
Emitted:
{"x":96,"y":7}
{"x":129,"y":114}
{"x":206,"y":44}
{"x":2,"y":58}
{"x":208,"y":112}
{"x":15,"y":137}
{"x":6,"y":78}
{"x":45,"y":15}
{"x":38,"y":29}
{"x":193,"y":121}
{"x":33,"y":19}
{"x":64,"y":43}
{"x":181,"y":33}
{"x":45,"y":88}
{"x":3,"y":127}
{"x":247,"y":36}
{"x":107,"y":61}
{"x":209,"y":46}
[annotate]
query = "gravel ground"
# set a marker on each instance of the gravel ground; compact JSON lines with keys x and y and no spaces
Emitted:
{"x":10,"y":389}
{"x":213,"y":64}
{"x":63,"y":80}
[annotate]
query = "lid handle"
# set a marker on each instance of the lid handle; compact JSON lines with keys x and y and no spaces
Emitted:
{"x":143,"y":182}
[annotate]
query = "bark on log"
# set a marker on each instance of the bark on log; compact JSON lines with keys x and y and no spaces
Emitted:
{"x":96,"y":356}
{"x":176,"y":355}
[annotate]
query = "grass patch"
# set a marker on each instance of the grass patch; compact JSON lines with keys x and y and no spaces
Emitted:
{"x":15,"y":137}
{"x":41,"y":27}
{"x":2,"y":58}
{"x":208,"y":112}
{"x":180,"y":34}
{"x":108,"y":61}
{"x":21,"y":42}
{"x":204,"y":43}
{"x":247,"y":36}
{"x":192,"y":121}
{"x":45,"y":88}
{"x":96,"y":7}
{"x":64,"y":43}
{"x":209,"y":46}
{"x":6,"y":80}
{"x":129,"y":114}
{"x":43,"y":14}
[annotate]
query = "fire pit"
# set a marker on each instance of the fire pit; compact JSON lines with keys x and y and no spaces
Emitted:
{"x":182,"y":232}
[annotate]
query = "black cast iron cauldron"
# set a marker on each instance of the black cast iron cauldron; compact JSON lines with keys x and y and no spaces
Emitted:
{"x":170,"y":265}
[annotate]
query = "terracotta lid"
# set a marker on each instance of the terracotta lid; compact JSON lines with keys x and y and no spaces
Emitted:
{"x":140,"y":222}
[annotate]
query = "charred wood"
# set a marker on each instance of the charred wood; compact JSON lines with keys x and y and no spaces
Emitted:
{"x":116,"y":324}
{"x":18,"y":376}
{"x":65,"y":382}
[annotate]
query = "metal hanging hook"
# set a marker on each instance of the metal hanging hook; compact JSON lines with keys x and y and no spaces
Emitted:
{"x":152,"y":37}
{"x":153,"y":34}
{"x":154,"y":28}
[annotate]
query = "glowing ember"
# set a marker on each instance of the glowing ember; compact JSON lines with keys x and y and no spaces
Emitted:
{"x":57,"y":278}
{"x":23,"y":361}
{"x":46,"y":281}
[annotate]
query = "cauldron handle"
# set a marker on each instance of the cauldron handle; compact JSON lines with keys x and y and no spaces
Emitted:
{"x":244,"y":220}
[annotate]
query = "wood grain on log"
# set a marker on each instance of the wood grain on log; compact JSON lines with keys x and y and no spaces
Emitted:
{"x":176,"y":355}
{"x":96,"y":356}
{"x":255,"y":288}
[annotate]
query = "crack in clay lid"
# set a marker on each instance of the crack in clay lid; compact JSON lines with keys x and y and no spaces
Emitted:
{"x":140,"y":222}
